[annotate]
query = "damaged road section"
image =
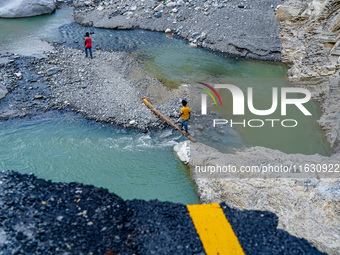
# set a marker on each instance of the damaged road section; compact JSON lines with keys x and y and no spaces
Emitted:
{"x":41,"y":217}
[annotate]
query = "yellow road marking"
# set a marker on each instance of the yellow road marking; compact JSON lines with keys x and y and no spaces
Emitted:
{"x":214,"y":230}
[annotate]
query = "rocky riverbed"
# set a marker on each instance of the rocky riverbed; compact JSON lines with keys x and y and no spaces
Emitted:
{"x":237,"y":28}
{"x":107,"y":88}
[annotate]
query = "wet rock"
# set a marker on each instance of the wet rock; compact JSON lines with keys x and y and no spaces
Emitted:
{"x":26,"y":8}
{"x":52,"y":70}
{"x":171,"y":4}
{"x":3,"y":92}
{"x":18,"y":75}
{"x":158,"y":14}
{"x":159,"y":7}
{"x":38,"y":97}
{"x":8,"y":114}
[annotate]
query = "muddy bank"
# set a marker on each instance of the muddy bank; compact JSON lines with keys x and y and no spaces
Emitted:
{"x":107,"y":88}
{"x":236,"y":28}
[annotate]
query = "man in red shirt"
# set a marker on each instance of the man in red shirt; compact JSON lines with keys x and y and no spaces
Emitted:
{"x":88,"y":44}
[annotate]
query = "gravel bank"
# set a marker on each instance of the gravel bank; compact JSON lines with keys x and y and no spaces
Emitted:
{"x":107,"y":88}
{"x":42,"y":217}
{"x":236,"y":28}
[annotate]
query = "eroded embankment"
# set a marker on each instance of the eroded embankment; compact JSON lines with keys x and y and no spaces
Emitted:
{"x":307,"y":207}
{"x":310,"y":35}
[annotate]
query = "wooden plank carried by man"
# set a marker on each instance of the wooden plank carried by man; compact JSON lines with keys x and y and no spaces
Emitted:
{"x":167,"y":120}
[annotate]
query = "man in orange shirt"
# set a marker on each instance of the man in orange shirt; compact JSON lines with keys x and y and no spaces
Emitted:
{"x":185,"y":113}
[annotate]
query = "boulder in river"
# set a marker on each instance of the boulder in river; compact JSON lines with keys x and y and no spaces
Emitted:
{"x":26,"y":8}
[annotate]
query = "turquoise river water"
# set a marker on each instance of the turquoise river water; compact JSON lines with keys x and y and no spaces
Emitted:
{"x":64,"y":147}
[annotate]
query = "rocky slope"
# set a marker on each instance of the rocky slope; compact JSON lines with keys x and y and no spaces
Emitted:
{"x":236,"y":28}
{"x":310,"y":35}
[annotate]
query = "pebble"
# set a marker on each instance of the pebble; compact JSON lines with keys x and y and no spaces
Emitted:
{"x":158,"y":14}
{"x":171,"y":5}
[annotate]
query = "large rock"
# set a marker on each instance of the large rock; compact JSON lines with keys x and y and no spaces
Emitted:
{"x":290,"y":10}
{"x":25,"y":8}
{"x":3,"y":92}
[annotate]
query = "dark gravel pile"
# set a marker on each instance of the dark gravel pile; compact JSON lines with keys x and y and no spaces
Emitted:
{"x":28,"y":94}
{"x":42,"y":217}
{"x":162,"y":228}
{"x":258,"y":234}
